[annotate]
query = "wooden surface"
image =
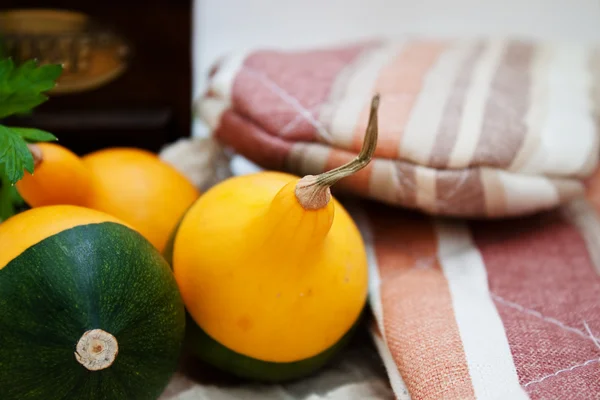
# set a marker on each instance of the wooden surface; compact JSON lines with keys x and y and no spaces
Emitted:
{"x":150,"y":104}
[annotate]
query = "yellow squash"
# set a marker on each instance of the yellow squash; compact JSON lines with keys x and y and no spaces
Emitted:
{"x":131,"y":184}
{"x":271,"y":266}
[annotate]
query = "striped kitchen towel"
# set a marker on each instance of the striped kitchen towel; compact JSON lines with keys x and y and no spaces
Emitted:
{"x":490,"y":309}
{"x":468,"y":128}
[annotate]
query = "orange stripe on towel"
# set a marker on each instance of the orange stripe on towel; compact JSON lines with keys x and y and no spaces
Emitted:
{"x":399,"y":84}
{"x":418,"y":319}
{"x":593,"y":190}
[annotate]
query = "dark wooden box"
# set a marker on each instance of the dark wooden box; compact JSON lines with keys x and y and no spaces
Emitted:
{"x":149,"y":104}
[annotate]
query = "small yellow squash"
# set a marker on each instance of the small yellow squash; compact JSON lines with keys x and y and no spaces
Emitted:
{"x":273,"y":270}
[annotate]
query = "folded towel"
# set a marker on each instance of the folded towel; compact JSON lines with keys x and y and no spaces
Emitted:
{"x":469,"y":128}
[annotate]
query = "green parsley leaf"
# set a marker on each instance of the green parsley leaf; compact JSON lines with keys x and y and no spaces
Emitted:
{"x":21,"y":87}
{"x":15,"y":156}
{"x":34,"y":135}
{"x":7,"y":209}
{"x":21,"y":90}
{"x":11,"y":201}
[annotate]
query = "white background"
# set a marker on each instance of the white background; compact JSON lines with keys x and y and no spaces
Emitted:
{"x":222,"y":26}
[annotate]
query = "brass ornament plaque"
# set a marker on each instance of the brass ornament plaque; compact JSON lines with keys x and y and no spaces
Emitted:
{"x":91,"y":55}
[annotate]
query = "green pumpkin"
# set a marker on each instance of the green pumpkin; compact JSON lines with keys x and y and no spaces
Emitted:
{"x":89,"y":309}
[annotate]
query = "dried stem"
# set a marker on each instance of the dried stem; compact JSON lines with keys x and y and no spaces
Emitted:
{"x":36,"y":153}
{"x":96,"y":350}
{"x":313,"y":191}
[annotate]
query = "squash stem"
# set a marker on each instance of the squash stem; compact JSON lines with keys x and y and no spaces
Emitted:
{"x":313,"y":192}
{"x":97,"y":350}
{"x":36,"y":153}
